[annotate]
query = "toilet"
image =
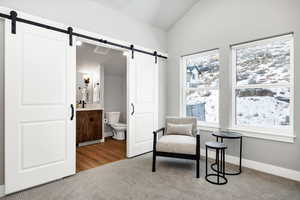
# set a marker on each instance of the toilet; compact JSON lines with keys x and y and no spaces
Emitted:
{"x":118,"y":129}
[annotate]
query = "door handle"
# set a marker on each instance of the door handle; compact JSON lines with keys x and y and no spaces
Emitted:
{"x":72,"y":112}
{"x":132,"y":109}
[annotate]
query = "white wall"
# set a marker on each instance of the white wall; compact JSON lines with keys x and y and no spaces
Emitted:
{"x":1,"y":101}
{"x":219,"y":23}
{"x":162,"y":101}
{"x":93,"y":17}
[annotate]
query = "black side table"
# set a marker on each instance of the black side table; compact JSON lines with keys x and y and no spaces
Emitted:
{"x":220,"y":162}
{"x":229,"y":135}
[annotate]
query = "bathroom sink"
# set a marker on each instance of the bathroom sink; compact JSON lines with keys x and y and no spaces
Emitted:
{"x":88,"y":107}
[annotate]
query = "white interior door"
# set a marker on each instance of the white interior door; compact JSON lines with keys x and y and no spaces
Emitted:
{"x":142,"y":103}
{"x":39,"y":89}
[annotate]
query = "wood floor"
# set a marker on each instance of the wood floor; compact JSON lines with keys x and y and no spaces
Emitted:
{"x":95,"y":155}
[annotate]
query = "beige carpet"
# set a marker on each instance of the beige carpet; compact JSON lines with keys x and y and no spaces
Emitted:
{"x":175,"y":179}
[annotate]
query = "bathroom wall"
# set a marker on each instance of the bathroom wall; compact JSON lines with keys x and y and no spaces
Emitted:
{"x":102,"y":88}
{"x":115,"y":91}
{"x":115,"y":96}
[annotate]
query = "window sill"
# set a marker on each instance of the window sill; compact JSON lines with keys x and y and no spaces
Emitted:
{"x":247,"y":132}
{"x":267,"y":135}
{"x":208,"y":127}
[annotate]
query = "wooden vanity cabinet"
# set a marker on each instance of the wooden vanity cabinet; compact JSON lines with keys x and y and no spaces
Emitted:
{"x":89,"y":125}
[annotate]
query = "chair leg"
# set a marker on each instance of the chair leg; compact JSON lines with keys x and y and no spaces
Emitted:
{"x":198,"y":168}
{"x":154,"y":162}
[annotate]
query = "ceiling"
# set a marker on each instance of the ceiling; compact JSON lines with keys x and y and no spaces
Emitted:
{"x":160,"y":13}
{"x":113,"y":61}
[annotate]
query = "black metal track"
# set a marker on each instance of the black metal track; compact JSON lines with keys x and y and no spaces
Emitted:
{"x":66,"y":31}
{"x":4,"y":16}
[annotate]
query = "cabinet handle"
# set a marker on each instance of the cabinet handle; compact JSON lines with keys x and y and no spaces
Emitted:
{"x":72,"y":112}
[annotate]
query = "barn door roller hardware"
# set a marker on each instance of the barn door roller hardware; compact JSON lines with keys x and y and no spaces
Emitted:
{"x":70,"y":31}
{"x":155,"y":55}
{"x":13,"y":16}
{"x":14,"y":19}
{"x":132,"y":51}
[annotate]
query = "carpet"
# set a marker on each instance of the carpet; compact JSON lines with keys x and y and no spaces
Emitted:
{"x":132,"y":179}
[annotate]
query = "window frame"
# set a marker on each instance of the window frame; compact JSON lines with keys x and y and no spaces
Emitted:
{"x":184,"y":89}
{"x":281,"y":134}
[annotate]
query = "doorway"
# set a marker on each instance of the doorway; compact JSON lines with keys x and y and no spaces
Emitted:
{"x":101,"y":105}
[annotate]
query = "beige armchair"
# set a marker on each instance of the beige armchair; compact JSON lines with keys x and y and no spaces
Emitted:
{"x":183,"y":141}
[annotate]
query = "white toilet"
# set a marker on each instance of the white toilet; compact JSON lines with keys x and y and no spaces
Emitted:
{"x":118,"y":129}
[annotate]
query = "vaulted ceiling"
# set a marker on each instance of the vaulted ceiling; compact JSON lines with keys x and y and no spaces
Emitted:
{"x":160,"y":13}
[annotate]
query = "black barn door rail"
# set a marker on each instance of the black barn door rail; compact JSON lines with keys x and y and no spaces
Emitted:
{"x":13,"y":16}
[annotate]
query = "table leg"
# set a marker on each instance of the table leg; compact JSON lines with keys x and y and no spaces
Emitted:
{"x":222,"y":140}
{"x":241,"y":150}
{"x":223,"y":162}
{"x":206,"y":162}
{"x":218,"y":165}
{"x":217,"y":140}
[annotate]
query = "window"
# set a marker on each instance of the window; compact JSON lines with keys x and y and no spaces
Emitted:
{"x":263,"y":84}
{"x":201,"y":87}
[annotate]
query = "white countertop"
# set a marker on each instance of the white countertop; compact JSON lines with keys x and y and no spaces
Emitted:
{"x":89,"y":107}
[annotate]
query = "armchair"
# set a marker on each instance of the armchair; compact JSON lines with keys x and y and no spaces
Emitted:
{"x":176,"y":145}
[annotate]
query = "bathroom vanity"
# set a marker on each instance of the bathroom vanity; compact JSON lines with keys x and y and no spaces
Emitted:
{"x":89,"y":113}
{"x":89,"y":124}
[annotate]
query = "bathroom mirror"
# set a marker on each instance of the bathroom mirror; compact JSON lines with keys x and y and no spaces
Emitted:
{"x":88,"y":88}
{"x":84,"y":87}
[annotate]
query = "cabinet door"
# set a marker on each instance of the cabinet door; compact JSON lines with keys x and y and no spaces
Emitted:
{"x":81,"y":126}
{"x":89,"y":126}
{"x":94,"y":128}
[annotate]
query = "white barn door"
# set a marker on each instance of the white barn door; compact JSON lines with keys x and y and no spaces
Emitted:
{"x":39,"y":90}
{"x":142,"y":103}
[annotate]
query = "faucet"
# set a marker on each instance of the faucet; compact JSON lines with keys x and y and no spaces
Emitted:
{"x":82,"y":102}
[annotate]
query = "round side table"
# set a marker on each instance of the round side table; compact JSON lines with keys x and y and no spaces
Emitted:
{"x":220,"y":162}
{"x":229,"y":135}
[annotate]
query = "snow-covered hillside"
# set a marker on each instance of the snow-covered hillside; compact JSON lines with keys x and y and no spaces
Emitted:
{"x":264,"y":111}
{"x":203,"y":74}
{"x":262,"y":64}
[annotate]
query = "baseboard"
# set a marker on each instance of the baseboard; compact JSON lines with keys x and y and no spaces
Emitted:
{"x":2,"y":191}
{"x":259,"y":166}
{"x":108,"y":134}
{"x":89,"y":143}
